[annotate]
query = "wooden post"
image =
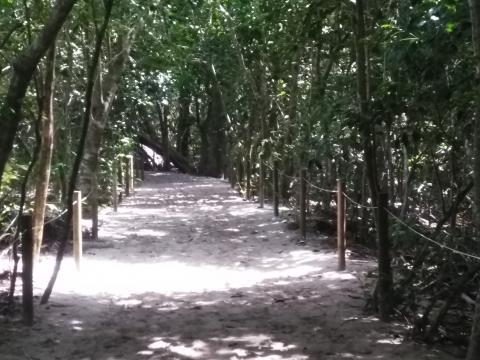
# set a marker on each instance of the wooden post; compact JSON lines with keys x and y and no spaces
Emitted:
{"x":303,"y":203}
{"x":233,"y":177}
{"x":261,"y":184}
{"x":136,"y":174}
{"x":27,"y":269}
{"x":276,"y":189}
{"x":142,"y":168}
{"x":385,"y":277}
{"x":248,"y":178}
{"x":77,"y":228}
{"x":130,"y":170}
{"x":93,"y":200}
{"x":127,"y":175}
{"x":121,"y":177}
{"x":341,"y":226}
{"x":115,"y":187}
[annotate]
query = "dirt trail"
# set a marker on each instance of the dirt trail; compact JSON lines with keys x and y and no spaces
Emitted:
{"x":187,"y":270}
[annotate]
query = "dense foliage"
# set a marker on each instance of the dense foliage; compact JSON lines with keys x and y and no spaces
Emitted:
{"x":382,"y":95}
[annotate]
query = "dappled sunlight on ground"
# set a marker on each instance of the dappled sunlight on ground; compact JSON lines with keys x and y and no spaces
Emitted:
{"x":188,"y":270}
{"x":250,"y":346}
{"x":168,"y":277}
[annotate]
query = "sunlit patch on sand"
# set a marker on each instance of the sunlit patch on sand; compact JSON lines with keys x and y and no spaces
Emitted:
{"x":168,"y":277}
{"x":250,"y":346}
{"x":196,"y":350}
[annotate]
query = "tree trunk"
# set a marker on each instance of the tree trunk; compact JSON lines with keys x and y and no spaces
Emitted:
{"x":474,"y":347}
{"x":104,"y":92}
{"x":184,"y":122}
{"x":81,"y":147}
{"x":24,"y":66}
{"x":45,"y":155}
{"x":213,"y":136}
{"x":405,"y":183}
{"x":385,"y":276}
{"x":163,"y":117}
{"x":149,"y":138}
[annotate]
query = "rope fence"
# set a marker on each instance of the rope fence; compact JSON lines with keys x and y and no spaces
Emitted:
{"x":439,"y":244}
{"x":341,"y":216}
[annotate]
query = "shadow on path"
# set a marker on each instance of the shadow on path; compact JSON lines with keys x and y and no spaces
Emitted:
{"x":188,"y":270}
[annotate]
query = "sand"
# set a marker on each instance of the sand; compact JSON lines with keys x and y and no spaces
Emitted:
{"x":188,"y":270}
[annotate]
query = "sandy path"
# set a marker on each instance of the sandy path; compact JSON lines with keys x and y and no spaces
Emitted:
{"x":187,"y":270}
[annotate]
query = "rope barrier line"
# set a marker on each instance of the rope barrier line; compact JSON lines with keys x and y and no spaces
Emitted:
{"x":288,"y":176}
{"x":282,"y":173}
{"x":358,"y":204}
{"x":297,"y":178}
{"x":396,"y":218}
{"x":443,"y":246}
{"x":64,"y":211}
{"x":45,"y":223}
{"x":321,"y":189}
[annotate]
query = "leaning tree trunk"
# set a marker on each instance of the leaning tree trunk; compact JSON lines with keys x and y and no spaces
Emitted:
{"x":103,"y":95}
{"x":45,"y":155}
{"x":474,"y":347}
{"x":150,"y":139}
{"x":24,"y":66}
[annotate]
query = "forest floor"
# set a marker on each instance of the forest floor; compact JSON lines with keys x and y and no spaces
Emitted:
{"x":188,"y":270}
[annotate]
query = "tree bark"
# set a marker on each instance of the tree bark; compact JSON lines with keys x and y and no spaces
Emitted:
{"x":154,"y":143}
{"x":184,"y":122}
{"x":474,"y":346}
{"x":104,"y":92}
{"x":213,"y":134}
{"x":81,"y":146}
{"x":24,"y":66}
{"x":163,"y":118}
{"x":385,"y":276}
{"x":45,"y":155}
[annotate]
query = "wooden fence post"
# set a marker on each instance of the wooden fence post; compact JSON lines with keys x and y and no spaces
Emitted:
{"x":127,"y":177}
{"x":385,"y":277}
{"x":233,"y":177}
{"x":121,"y":176}
{"x":276,"y":189}
{"x":142,"y":169}
{"x":136,"y":174}
{"x":131,"y":172}
{"x":115,"y":187}
{"x":27,"y":269}
{"x":77,"y":228}
{"x":261,"y":184}
{"x":303,"y":203}
{"x":341,"y":226}
{"x":94,"y":208}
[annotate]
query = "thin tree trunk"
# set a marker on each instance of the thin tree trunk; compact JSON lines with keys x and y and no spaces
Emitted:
{"x":405,"y":185}
{"x":385,"y":276}
{"x":81,"y":147}
{"x":184,"y":122}
{"x":45,"y":155}
{"x":104,"y":92}
{"x":163,"y":118}
{"x":474,"y":347}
